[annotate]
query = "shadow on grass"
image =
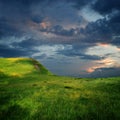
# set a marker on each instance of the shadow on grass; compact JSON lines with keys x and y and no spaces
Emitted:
{"x":4,"y":99}
{"x":15,"y":112}
{"x":3,"y":75}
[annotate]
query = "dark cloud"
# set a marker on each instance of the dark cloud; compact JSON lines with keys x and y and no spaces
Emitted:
{"x":8,"y":29}
{"x":13,"y":9}
{"x":33,"y":23}
{"x":81,"y":3}
{"x":37,"y":19}
{"x":116,"y":41}
{"x":114,"y":23}
{"x":59,"y":30}
{"x":28,"y":43}
{"x":106,"y":72}
{"x":16,"y":13}
{"x":106,"y":6}
{"x":40,"y":57}
{"x":108,"y":27}
{"x":79,"y":51}
{"x":6,"y":51}
{"x":102,"y":30}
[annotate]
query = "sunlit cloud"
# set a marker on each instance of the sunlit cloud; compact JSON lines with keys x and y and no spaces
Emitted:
{"x":118,"y":49}
{"x":45,"y":24}
{"x":102,"y":49}
{"x":89,"y":14}
{"x":103,"y":44}
{"x":48,"y":50}
{"x":105,"y":63}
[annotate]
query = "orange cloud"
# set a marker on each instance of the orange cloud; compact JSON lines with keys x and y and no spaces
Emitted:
{"x":108,"y":62}
{"x":37,"y":26}
{"x":44,"y":25}
{"x":118,"y":49}
{"x":103,"y":44}
{"x":90,"y":70}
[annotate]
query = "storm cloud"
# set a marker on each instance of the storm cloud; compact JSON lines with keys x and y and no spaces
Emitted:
{"x":50,"y":30}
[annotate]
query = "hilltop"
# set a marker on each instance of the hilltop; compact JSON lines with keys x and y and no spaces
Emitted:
{"x":28,"y":91}
{"x":21,"y":66}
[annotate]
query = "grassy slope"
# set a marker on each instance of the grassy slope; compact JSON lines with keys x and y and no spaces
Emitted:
{"x":28,"y":92}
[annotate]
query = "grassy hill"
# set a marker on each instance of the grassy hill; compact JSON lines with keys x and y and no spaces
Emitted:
{"x":21,"y":66}
{"x":28,"y":91}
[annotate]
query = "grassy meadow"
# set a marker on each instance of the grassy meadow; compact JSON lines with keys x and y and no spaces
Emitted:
{"x":28,"y":91}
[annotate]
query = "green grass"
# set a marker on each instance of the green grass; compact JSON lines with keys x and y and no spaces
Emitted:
{"x":28,"y":91}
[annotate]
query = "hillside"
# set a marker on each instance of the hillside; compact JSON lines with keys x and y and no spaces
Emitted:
{"x":21,"y":66}
{"x":28,"y":91}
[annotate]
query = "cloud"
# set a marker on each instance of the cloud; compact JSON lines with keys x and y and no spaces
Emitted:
{"x":6,"y":51}
{"x":104,"y":63}
{"x":7,"y":29}
{"x":37,"y":19}
{"x":79,"y":51}
{"x":41,"y":21}
{"x":106,"y":6}
{"x":104,"y":68}
{"x":27,"y":43}
{"x":56,"y":29}
{"x":79,"y":4}
{"x":106,"y":72}
{"x":105,"y":29}
{"x":36,"y":16}
{"x":15,"y":20}
{"x":103,"y":49}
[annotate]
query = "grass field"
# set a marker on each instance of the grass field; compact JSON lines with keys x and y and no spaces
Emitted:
{"x":28,"y":91}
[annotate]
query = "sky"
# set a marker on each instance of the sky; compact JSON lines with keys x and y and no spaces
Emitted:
{"x":70,"y":37}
